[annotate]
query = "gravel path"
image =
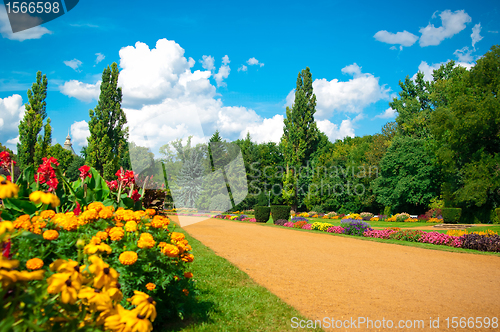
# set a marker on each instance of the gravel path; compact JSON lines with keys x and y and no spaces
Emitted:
{"x":323,"y":275}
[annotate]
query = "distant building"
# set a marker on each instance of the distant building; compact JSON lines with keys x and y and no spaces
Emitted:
{"x":67,"y":144}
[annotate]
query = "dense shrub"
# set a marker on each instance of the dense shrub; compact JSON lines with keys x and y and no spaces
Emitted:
{"x":262,"y":213}
{"x":280,"y":212}
{"x":280,"y":222}
{"x":481,"y":242}
{"x":220,"y":202}
{"x":407,"y":235}
{"x":434,"y":213}
{"x":366,"y":215}
{"x":497,"y":210}
{"x":354,"y":227}
{"x":451,"y":215}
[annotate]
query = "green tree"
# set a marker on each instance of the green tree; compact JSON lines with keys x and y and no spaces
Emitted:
{"x":63,"y":156}
{"x":107,"y":144}
{"x":32,"y":147}
{"x":72,"y":172}
{"x":300,"y":135}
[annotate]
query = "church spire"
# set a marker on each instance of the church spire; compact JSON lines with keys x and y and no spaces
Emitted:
{"x":67,"y":144}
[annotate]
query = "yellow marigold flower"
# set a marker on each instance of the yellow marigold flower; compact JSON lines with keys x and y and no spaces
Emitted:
{"x":145,"y":305}
{"x":139,"y":214}
{"x":62,"y":283}
{"x":116,"y":233}
{"x":188,"y":275}
{"x":106,"y":213}
{"x":159,"y":222}
{"x":50,"y":235}
{"x":185,"y":291}
{"x":177,"y":236}
{"x":188,"y":258}
{"x":97,"y":206}
{"x":102,"y":235}
{"x":45,"y":198}
{"x":150,"y":286}
{"x":128,"y":257}
{"x":146,"y":241}
{"x":34,"y":264}
{"x":131,"y":226}
{"x":103,"y":274}
{"x":6,"y":227}
{"x":150,"y":212}
{"x":162,"y":244}
{"x":170,"y":250}
{"x":8,"y":189}
{"x":89,"y":215}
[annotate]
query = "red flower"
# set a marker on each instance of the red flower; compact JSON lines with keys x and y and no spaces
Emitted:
{"x":84,"y":172}
{"x":6,"y":249}
{"x":6,"y":160}
{"x":77,"y":210}
{"x":47,"y":174}
{"x":126,"y":178}
{"x":113,"y":185}
{"x":135,"y":195}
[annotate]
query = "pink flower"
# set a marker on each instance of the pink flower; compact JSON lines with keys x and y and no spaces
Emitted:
{"x":84,"y":172}
{"x":113,"y":185}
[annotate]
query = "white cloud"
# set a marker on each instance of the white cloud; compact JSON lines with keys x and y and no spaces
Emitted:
{"x":223,"y":72}
{"x":208,"y":62}
{"x":99,"y":58}
{"x":254,"y":62}
{"x":81,"y":91}
{"x":428,"y":70}
{"x":352,"y":96}
{"x":464,"y":55}
{"x":11,"y":113}
{"x":476,"y":30}
{"x":74,"y":64}
{"x":492,"y":31}
{"x":269,"y":130}
{"x":333,"y":132}
{"x":32,"y":33}
{"x":452,"y":23}
{"x":394,"y":48}
{"x":404,"y":38}
{"x":387,"y":114}
{"x":80,"y":132}
{"x":243,"y":68}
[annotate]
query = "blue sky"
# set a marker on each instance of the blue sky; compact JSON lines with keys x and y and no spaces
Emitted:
{"x":191,"y":68}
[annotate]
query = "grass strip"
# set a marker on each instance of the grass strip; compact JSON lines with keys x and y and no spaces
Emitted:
{"x":228,"y":299}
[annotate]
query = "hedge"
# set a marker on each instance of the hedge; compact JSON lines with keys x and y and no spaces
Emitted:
{"x":262,"y":213}
{"x":280,"y":212}
{"x":451,"y":215}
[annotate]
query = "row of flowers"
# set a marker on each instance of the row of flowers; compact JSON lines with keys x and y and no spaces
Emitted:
{"x":367,"y":216}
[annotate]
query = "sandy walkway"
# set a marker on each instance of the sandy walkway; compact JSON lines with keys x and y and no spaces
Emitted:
{"x":323,"y":275}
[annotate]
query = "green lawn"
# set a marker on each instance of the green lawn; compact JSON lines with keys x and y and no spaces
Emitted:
{"x":229,"y":300}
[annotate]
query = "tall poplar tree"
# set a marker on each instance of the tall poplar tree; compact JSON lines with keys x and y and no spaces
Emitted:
{"x":32,"y":147}
{"x":107,"y":143}
{"x":300,"y":134}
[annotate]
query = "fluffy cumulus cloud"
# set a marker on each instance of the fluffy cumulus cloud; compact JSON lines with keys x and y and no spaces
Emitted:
{"x":81,"y":91}
{"x":452,"y":23}
{"x":350,"y":96}
{"x":254,"y":62}
{"x":387,"y":114}
{"x":208,"y":62}
{"x":79,"y":133}
{"x":243,"y":68}
{"x":268,"y":130}
{"x":464,"y":55}
{"x":74,"y":64}
{"x":6,"y":31}
{"x":223,"y":72}
{"x":335,"y":132}
{"x":404,"y":38}
{"x":11,"y":113}
{"x":476,"y":30}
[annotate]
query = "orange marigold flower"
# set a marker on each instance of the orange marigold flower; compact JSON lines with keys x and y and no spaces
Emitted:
{"x":47,"y":214}
{"x":150,"y":286}
{"x":106,"y":213}
{"x":97,"y":206}
{"x":34,"y":264}
{"x":175,"y":236}
{"x":139,"y":214}
{"x":23,"y":222}
{"x":150,"y":212}
{"x":102,"y":235}
{"x":188,"y":258}
{"x":128,"y":257}
{"x":50,"y":235}
{"x":159,"y":222}
{"x":146,"y":241}
{"x":170,"y":250}
{"x":131,"y":226}
{"x":188,"y":275}
{"x":116,"y":233}
{"x":89,"y":215}
{"x":185,"y":291}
